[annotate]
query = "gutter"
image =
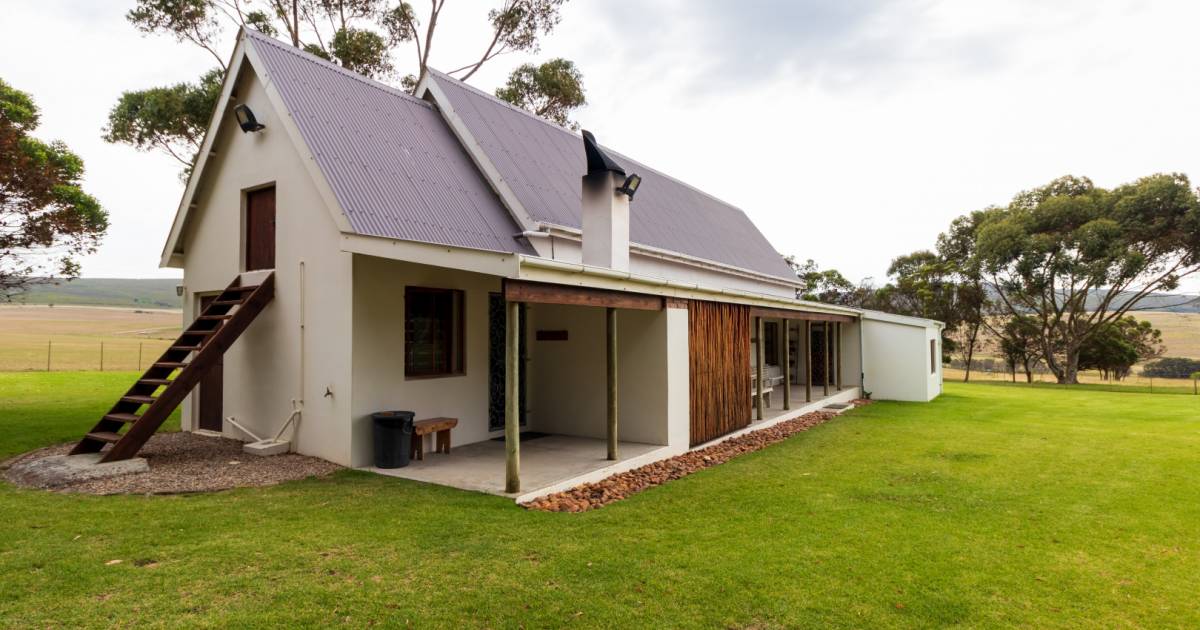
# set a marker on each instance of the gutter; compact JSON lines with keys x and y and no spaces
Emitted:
{"x":663,"y":286}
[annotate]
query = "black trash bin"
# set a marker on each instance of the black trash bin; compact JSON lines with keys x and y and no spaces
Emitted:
{"x":393,"y":438}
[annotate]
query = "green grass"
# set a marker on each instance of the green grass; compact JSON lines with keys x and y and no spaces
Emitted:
{"x":994,"y":506}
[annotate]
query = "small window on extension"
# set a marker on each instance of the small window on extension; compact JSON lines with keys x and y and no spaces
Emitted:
{"x":933,"y":356}
{"x":433,"y":332}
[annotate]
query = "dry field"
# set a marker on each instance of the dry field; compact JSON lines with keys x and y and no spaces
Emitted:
{"x":72,"y":335}
{"x":1181,"y":332}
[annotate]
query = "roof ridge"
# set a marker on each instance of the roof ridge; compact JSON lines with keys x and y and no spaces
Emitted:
{"x":525,"y":112}
{"x":329,"y":65}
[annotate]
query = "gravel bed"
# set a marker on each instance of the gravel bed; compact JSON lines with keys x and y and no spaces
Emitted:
{"x":186,"y":462}
{"x":590,"y":496}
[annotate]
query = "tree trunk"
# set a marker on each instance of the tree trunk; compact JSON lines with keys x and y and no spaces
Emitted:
{"x":1070,"y":373}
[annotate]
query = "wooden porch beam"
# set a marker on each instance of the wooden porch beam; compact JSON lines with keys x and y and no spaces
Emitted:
{"x":546,"y":293}
{"x":787,"y":365}
{"x":758,"y":367}
{"x":828,"y":360}
{"x":837,"y":347}
{"x":612,"y":383}
{"x":807,"y":343}
{"x":512,"y":399}
{"x":766,"y":311}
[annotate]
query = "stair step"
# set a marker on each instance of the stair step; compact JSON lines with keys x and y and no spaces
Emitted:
{"x":188,"y":348}
{"x":104,"y":436}
{"x":200,"y":333}
{"x":215,"y":317}
{"x":170,"y":364}
{"x":242,"y":289}
{"x":122,"y":417}
{"x":156,"y":381}
{"x":140,"y":399}
{"x":228,"y":303}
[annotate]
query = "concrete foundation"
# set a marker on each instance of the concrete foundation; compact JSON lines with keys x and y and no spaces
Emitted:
{"x":63,"y":470}
{"x":265,"y":448}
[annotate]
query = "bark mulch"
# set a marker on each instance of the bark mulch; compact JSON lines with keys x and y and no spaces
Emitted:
{"x":183,"y":462}
{"x":590,"y":496}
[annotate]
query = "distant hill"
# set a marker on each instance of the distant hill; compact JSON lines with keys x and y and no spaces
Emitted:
{"x":1161,"y":302}
{"x":131,"y":292}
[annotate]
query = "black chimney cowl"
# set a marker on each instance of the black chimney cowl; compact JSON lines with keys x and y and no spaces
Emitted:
{"x":598,"y":161}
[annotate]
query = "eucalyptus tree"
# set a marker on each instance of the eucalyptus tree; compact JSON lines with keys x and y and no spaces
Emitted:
{"x":365,"y":36}
{"x":1076,"y":257}
{"x":46,"y":219}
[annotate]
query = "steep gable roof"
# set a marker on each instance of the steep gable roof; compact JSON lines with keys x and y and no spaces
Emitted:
{"x":541,"y":164}
{"x":396,"y":169}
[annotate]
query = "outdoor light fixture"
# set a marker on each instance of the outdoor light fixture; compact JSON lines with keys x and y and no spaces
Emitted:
{"x":631,"y":185}
{"x":246,"y":119}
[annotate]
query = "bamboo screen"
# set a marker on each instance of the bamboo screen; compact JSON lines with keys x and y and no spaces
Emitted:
{"x":719,"y":353}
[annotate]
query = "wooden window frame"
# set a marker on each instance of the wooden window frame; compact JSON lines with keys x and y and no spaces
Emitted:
{"x":933,"y":356}
{"x":456,"y":360}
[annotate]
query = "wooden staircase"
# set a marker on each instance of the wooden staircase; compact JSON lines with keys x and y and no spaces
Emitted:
{"x":164,"y":385}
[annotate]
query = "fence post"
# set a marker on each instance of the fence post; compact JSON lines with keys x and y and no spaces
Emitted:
{"x":48,"y":342}
{"x":140,"y":356}
{"x":101,"y":356}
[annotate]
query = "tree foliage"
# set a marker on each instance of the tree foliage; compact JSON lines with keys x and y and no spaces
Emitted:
{"x":829,"y":285}
{"x":552,"y":90}
{"x":1171,"y":367}
{"x":1077,"y":257}
{"x":364,"y":36}
{"x":1116,"y":346}
{"x":46,"y":219}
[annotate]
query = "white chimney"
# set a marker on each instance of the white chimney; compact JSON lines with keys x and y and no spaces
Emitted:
{"x":605,"y":210}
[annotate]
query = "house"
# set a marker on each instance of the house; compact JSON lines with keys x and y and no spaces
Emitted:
{"x":349,"y":248}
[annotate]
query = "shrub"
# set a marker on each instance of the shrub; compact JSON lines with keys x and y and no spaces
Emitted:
{"x":1171,"y":367}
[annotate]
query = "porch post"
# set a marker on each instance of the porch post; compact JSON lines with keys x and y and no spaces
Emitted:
{"x":758,"y":366}
{"x":512,"y":399}
{"x":828,"y":360}
{"x":807,"y":344}
{"x":838,"y":348}
{"x":612,"y":383}
{"x":787,"y":365}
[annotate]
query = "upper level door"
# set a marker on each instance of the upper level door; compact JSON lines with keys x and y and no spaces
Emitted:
{"x":260,"y":229}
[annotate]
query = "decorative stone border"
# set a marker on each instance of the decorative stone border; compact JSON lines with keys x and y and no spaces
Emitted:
{"x":590,"y":496}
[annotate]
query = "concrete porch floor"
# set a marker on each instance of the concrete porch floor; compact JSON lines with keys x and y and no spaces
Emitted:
{"x":548,"y":464}
{"x":819,"y":399}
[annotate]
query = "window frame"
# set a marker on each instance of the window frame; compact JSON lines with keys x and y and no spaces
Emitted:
{"x":933,"y":356}
{"x":456,"y":356}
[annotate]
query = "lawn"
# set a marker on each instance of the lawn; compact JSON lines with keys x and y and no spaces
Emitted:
{"x":994,"y":506}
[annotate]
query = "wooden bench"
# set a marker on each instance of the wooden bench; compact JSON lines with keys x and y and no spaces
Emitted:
{"x":421,"y":428}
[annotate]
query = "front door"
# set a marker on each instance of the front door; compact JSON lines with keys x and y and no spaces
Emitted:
{"x":260,"y":229}
{"x":208,"y":412}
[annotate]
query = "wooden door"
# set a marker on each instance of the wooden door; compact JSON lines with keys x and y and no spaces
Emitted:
{"x":260,"y":229}
{"x":212,"y":390}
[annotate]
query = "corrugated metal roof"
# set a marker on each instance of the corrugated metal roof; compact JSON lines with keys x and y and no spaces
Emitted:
{"x":395,"y":167}
{"x":542,"y":163}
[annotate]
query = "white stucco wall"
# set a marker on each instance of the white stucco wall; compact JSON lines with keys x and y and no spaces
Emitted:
{"x":896,"y":360}
{"x":568,"y":382}
{"x":262,"y":370}
{"x":378,"y":355}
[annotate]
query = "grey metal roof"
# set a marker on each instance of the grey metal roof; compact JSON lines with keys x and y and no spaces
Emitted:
{"x":394,"y":165}
{"x":542,"y":163}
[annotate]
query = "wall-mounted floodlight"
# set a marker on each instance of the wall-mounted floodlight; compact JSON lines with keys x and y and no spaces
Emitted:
{"x":246,"y":119}
{"x":631,"y":185}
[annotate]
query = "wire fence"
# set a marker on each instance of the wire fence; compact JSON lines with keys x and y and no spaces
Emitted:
{"x":1135,"y":382}
{"x":56,"y":354}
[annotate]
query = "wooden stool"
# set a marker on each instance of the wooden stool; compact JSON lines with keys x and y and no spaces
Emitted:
{"x":440,"y":426}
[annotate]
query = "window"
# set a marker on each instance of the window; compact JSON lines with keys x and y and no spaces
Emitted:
{"x":433,"y":332}
{"x":771,"y":343}
{"x":933,"y":356}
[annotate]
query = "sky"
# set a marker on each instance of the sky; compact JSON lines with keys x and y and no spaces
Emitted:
{"x":850,"y":131}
